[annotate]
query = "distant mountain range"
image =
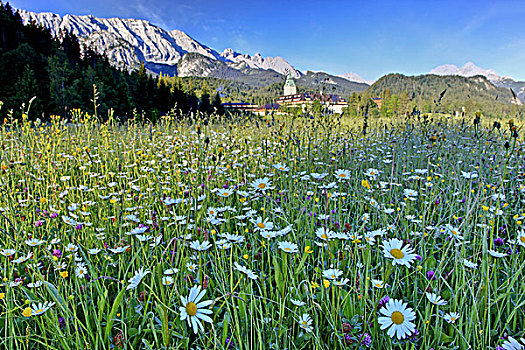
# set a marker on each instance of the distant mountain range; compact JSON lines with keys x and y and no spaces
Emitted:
{"x":470,"y":70}
{"x":128,"y":42}
{"x":446,"y":89}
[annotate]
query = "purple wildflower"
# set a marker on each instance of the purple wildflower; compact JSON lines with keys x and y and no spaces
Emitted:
{"x":383,"y":301}
{"x":366,"y":340}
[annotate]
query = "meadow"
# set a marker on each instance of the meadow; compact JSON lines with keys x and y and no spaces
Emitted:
{"x":262,"y":233}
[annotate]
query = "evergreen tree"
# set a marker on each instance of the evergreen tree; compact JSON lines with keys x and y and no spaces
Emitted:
{"x":27,"y":88}
{"x":217,"y":104}
{"x":205,"y":104}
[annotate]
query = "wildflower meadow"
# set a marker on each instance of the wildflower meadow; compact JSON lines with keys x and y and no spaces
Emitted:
{"x":262,"y":233}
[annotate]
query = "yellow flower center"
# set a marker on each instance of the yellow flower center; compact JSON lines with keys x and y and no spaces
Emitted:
{"x":27,"y":312}
{"x":342,"y":175}
{"x":262,"y":186}
{"x":378,"y":285}
{"x":261,"y":225}
{"x":372,"y":173}
{"x":39,"y":311}
{"x":397,"y":253}
{"x":397,"y":317}
{"x":281,"y":168}
{"x":452,"y":319}
{"x":324,"y":236}
{"x":287,"y":249}
{"x":225,"y":194}
{"x":522,"y":238}
{"x":191,"y":309}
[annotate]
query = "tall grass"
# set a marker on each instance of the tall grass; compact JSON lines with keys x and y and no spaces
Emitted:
{"x":112,"y":171}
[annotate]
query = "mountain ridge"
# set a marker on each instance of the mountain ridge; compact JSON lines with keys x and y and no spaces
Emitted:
{"x":128,"y":42}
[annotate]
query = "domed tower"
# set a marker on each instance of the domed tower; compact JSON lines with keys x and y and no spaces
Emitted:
{"x":289,"y":86}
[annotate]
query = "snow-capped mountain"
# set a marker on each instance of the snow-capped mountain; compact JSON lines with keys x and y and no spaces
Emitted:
{"x":470,"y":70}
{"x":278,"y":64}
{"x":128,"y":42}
{"x":355,"y":78}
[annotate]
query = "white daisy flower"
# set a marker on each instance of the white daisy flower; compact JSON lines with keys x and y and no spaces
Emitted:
{"x":81,"y":270}
{"x":268,"y":234}
{"x":324,"y":233}
{"x":332,"y":274}
{"x":397,"y":317}
{"x":468,"y":175}
{"x":513,"y":344}
{"x":521,"y":238}
{"x":249,"y":273}
{"x":342,"y":174}
{"x":40,"y":308}
{"x":372,"y":173}
{"x":34,"y":242}
{"x":453,"y":232}
{"x":224,"y":192}
{"x":378,"y":283}
{"x":341,"y":282}
{"x":469,"y":264}
{"x":192,"y":267}
{"x":169,"y":272}
{"x":297,"y":302}
{"x":262,"y":224}
{"x":305,"y":322}
{"x":393,"y":249}
{"x":135,"y":280}
{"x":451,"y":317}
{"x":93,"y":251}
{"x":71,"y":248}
{"x":167,"y":280}
{"x":281,"y":167}
{"x":35,"y":284}
{"x":198,"y":246}
{"x":407,"y":192}
{"x":118,"y":250}
{"x":435,"y":299}
{"x":7,"y":252}
{"x":193,"y":310}
{"x":288,"y":247}
{"x":496,"y":254}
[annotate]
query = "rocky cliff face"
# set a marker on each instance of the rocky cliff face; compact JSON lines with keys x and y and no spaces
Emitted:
{"x":127,"y":42}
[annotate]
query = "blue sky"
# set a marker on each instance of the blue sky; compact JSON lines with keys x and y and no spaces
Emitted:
{"x":370,"y":38}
